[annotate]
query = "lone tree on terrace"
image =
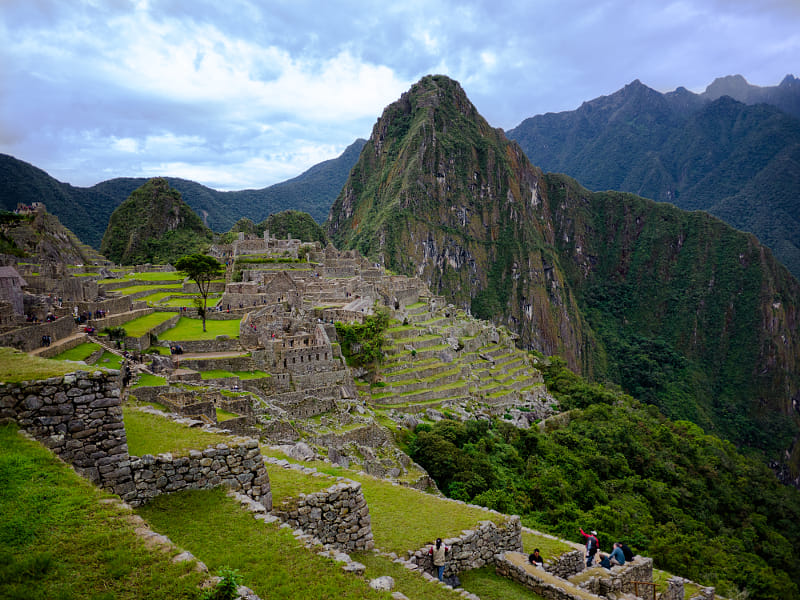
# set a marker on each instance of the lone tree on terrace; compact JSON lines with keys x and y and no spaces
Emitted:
{"x":201,"y":269}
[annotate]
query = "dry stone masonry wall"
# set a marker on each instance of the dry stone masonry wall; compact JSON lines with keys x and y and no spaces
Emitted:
{"x":475,"y":548}
{"x":79,"y":417}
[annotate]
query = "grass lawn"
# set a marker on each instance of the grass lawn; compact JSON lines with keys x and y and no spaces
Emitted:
{"x":58,"y":541}
{"x":390,"y":507}
{"x":484,"y":582}
{"x":167,"y":276}
{"x":141,"y":325}
{"x":220,"y":533}
{"x":243,"y":375}
{"x":133,"y":289}
{"x":224,"y":415}
{"x":80,"y":352}
{"x":152,"y":434}
{"x":215,"y":374}
{"x":16,"y":366}
{"x":188,"y":330}
{"x":148,"y":380}
{"x":110,"y":360}
{"x":547,"y":547}
{"x":411,"y":584}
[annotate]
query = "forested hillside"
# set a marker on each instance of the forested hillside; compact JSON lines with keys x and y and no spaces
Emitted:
{"x":738,"y":161}
{"x":676,"y":307}
{"x":687,"y":499}
{"x":86,"y":211}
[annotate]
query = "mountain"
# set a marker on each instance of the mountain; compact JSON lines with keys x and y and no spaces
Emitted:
{"x":785,"y":96}
{"x":87,"y":210}
{"x":709,"y":151}
{"x":439,"y":193}
{"x":154,"y":225}
{"x":677,"y":307}
{"x":39,"y":237}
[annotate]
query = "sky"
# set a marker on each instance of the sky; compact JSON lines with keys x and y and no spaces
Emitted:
{"x":238,"y":94}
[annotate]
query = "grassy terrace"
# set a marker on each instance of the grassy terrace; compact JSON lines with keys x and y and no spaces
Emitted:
{"x":192,"y":330}
{"x":148,"y":380}
{"x":80,"y":352}
{"x":133,"y":289}
{"x":141,"y":325}
{"x":59,"y":541}
{"x":16,"y":366}
{"x":152,"y":434}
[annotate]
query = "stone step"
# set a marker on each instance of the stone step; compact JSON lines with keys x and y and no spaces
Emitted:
{"x":458,"y":389}
{"x":400,"y":387}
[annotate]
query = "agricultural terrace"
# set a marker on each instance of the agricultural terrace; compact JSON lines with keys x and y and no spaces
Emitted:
{"x":189,"y":330}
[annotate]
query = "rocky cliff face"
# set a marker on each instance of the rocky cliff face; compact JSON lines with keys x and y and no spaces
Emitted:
{"x":440,"y":194}
{"x":679,"y":309}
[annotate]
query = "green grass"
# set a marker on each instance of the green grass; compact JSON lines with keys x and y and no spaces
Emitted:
{"x":390,"y":507}
{"x":148,"y":380}
{"x":167,"y":276}
{"x":548,"y":548}
{"x":215,"y":374}
{"x":16,"y":366}
{"x":224,"y":415}
{"x":220,"y":533}
{"x":152,"y":434}
{"x":192,"y":330}
{"x":133,"y":289}
{"x":114,"y":360}
{"x":289,"y":483}
{"x":141,"y":325}
{"x":409,"y":583}
{"x":244,"y":375}
{"x":59,"y":542}
{"x":80,"y":352}
{"x":484,"y":582}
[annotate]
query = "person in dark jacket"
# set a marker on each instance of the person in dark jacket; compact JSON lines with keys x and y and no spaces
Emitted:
{"x":626,"y":552}
{"x":536,"y":558}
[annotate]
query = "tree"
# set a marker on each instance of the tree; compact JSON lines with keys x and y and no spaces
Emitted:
{"x":201,"y":269}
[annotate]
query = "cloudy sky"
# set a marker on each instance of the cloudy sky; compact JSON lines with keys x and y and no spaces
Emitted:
{"x":246,"y":93}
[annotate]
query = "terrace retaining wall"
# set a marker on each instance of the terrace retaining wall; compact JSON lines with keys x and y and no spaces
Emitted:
{"x":475,"y":548}
{"x":79,"y":417}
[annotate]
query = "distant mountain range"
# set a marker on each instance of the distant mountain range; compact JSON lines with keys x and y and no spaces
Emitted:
{"x":733,"y":151}
{"x":86,"y":211}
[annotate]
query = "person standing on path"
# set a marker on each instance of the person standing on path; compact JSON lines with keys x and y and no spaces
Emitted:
{"x":592,"y":546}
{"x":438,"y":554}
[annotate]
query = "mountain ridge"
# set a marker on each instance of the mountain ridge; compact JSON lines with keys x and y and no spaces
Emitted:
{"x":698,"y":151}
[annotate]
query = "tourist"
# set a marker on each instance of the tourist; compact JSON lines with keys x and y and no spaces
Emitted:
{"x":592,"y":546}
{"x":617,"y":556}
{"x":438,"y":554}
{"x":626,"y":552}
{"x":536,"y":558}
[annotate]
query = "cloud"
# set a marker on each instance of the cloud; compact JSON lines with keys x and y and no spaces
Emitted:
{"x":238,"y":94}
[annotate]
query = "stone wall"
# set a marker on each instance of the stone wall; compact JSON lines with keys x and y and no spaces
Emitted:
{"x":29,"y":337}
{"x":566,"y":565}
{"x":239,"y":467}
{"x":79,"y":417}
{"x":619,"y":578}
{"x":338,"y":516}
{"x":142,"y":343}
{"x":475,"y":548}
{"x":219,"y":344}
{"x":546,"y":586}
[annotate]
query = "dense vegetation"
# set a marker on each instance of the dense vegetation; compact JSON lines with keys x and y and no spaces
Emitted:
{"x":677,"y":307}
{"x":86,"y":211}
{"x":294,"y":223}
{"x":687,"y":499}
{"x":736,"y":161}
{"x":362,"y":343}
{"x":154,"y":225}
